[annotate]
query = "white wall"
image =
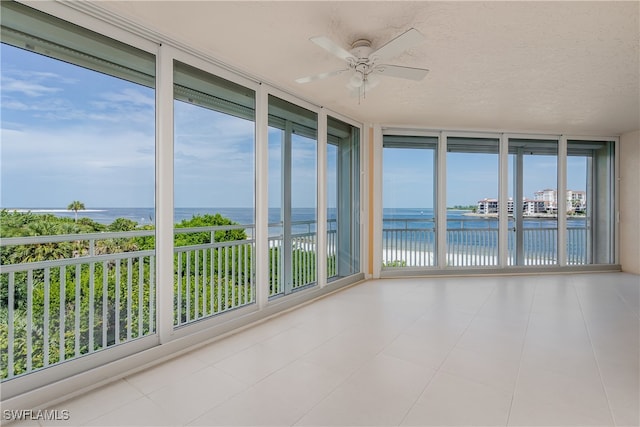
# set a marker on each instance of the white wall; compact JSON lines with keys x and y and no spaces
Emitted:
{"x":630,"y":202}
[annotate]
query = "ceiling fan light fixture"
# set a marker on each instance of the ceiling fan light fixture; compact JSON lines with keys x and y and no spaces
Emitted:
{"x":357,"y":79}
{"x":372,"y":81}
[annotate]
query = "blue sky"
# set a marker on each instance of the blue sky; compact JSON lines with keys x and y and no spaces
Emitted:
{"x":214,"y":157}
{"x":408,"y":177}
{"x":73,"y":134}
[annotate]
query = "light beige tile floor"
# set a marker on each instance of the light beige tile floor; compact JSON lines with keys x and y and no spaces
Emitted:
{"x":548,"y":350}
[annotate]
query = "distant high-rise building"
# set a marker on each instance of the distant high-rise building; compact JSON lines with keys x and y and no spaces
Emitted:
{"x":544,"y":201}
{"x":490,"y":206}
{"x":576,"y":201}
{"x":549,"y":197}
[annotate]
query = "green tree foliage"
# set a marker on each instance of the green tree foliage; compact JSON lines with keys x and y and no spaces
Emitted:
{"x":76,"y":206}
{"x":211,"y":280}
{"x":111,"y":300}
{"x":464,"y":207}
{"x":23,"y":224}
{"x":59,"y":296}
{"x":85,"y":306}
{"x":122,"y":224}
{"x":207,"y":220}
{"x":395,"y":263}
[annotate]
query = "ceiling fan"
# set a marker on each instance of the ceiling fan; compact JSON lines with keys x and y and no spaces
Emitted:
{"x":365,"y":64}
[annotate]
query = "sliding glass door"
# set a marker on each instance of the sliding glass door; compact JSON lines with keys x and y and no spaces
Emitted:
{"x":408,"y":194}
{"x":533,"y":187}
{"x":343,"y":199}
{"x":292,"y":197}
{"x":472,"y":201}
{"x":589,"y":202}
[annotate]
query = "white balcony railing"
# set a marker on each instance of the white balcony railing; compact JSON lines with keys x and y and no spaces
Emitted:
{"x":59,"y":305}
{"x":54,"y":310}
{"x":408,"y":242}
{"x":215,"y":276}
{"x":56,"y":307}
{"x":303,"y":255}
{"x":411,"y":242}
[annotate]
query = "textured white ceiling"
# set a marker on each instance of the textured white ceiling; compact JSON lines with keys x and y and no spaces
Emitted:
{"x":570,"y":67}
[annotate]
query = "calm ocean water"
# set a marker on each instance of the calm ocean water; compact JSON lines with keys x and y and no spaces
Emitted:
{"x":455,"y":218}
{"x":144,"y":216}
{"x":405,"y":218}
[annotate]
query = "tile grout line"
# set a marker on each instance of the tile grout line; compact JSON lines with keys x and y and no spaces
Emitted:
{"x":626,"y":304}
{"x":212,"y":366}
{"x":324,"y":397}
{"x":188,"y":423}
{"x":595,"y":357}
{"x":524,"y":343}
{"x":437,"y":370}
{"x":87,"y":421}
{"x":250,"y":386}
{"x":279,"y":369}
{"x":144,"y":396}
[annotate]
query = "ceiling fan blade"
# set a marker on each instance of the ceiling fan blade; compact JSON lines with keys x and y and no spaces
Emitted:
{"x":402,"y":72}
{"x":331,"y":47}
{"x":395,"y":47}
{"x":320,"y":76}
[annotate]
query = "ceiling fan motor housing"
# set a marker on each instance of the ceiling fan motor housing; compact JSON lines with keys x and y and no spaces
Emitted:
{"x":360,"y":49}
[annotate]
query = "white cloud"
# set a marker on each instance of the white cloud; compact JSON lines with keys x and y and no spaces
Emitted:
{"x":102,"y":169}
{"x":28,"y":88}
{"x":129,"y":96}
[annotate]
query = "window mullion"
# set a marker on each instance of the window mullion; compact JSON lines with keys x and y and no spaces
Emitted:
{"x":321,"y":228}
{"x":562,"y":201}
{"x":503,"y":215}
{"x":164,"y":194}
{"x":286,"y":208}
{"x":441,"y":202}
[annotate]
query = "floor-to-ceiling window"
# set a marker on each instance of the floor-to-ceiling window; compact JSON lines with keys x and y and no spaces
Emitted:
{"x":343,"y":199}
{"x":589,"y":202}
{"x":78,"y":184}
{"x":214,"y":180}
{"x":293,"y":196}
{"x":533,"y":186}
{"x":472,"y":201}
{"x":511,"y":200}
{"x":408,"y":194}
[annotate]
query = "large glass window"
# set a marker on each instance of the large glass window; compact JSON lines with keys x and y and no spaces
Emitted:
{"x":472,"y":201}
{"x":293,"y":195}
{"x":533,"y":186}
{"x":589,"y":202}
{"x":214,"y":179}
{"x":472,"y":182}
{"x":343,"y":199}
{"x":77,"y":184}
{"x":408,"y":231}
